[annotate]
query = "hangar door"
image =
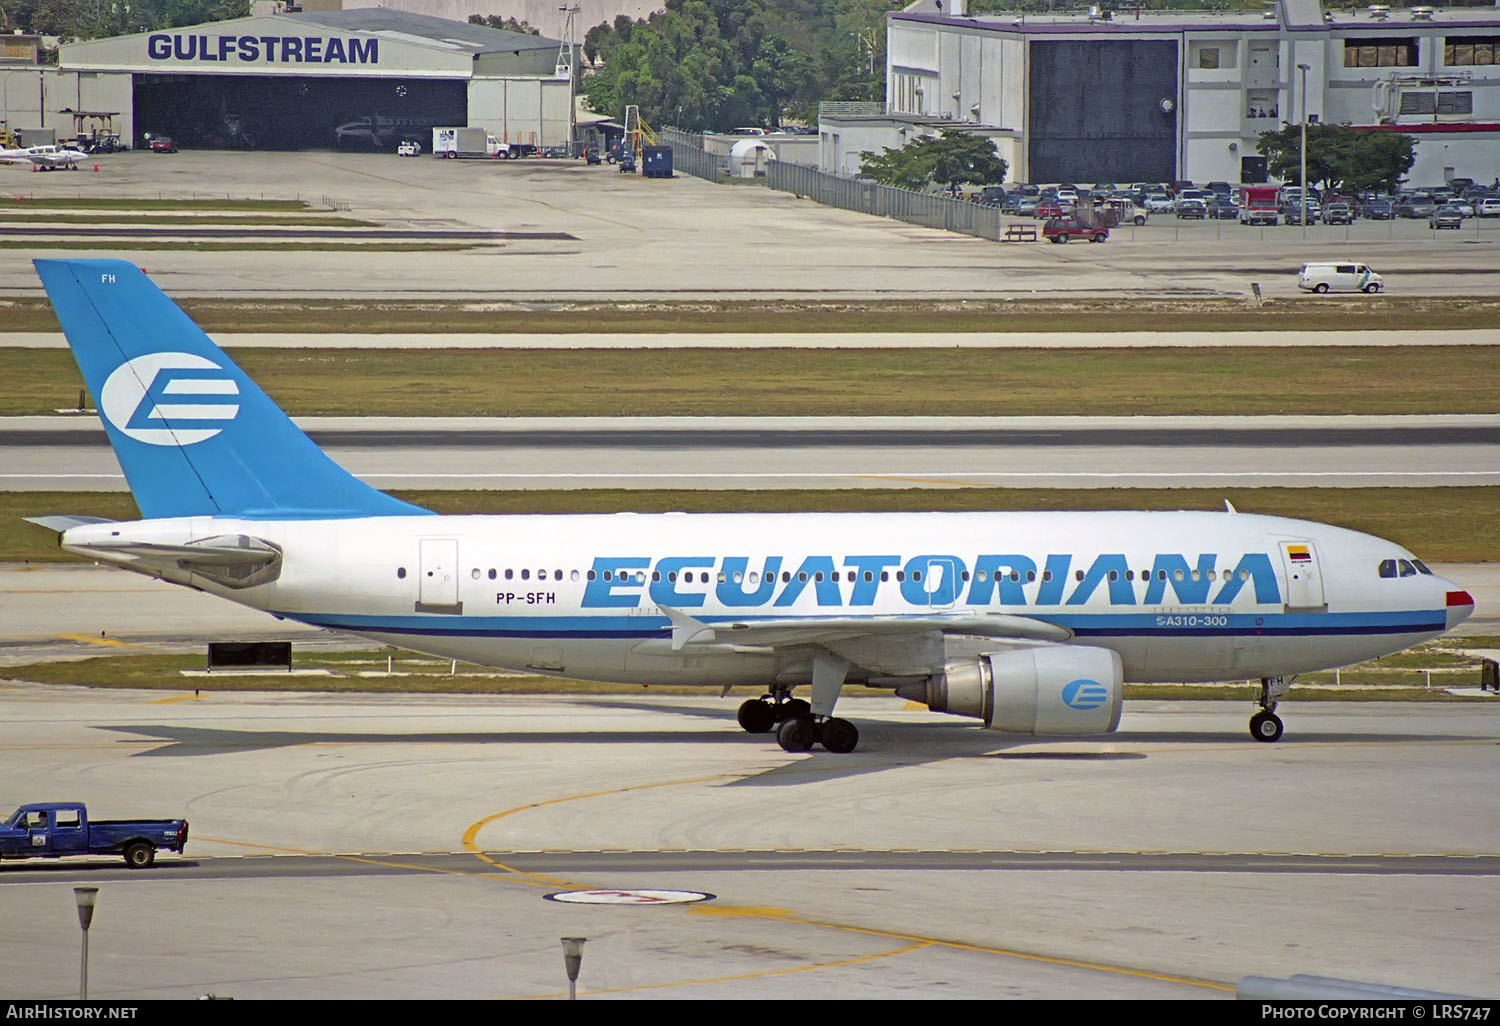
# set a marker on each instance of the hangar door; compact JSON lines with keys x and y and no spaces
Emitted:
{"x":1096,"y":111}
{"x":276,"y":112}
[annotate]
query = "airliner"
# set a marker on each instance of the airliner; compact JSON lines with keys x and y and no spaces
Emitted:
{"x":47,"y":157}
{"x":1030,"y":623}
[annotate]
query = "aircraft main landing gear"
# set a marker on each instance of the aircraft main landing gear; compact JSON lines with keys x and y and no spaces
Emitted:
{"x":800,"y":733}
{"x":1266,"y":725}
{"x":762,"y":715}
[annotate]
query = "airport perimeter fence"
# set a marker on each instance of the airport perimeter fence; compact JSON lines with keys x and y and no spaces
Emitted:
{"x":922,"y":208}
{"x":689,"y":156}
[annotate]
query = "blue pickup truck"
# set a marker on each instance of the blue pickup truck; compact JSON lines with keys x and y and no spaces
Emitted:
{"x":50,"y":830}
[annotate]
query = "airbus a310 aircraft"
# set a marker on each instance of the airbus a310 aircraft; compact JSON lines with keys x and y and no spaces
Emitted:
{"x":1030,"y":622}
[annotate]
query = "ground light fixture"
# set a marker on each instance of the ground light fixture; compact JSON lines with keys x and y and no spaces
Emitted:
{"x":86,"y":897}
{"x":572,"y":960}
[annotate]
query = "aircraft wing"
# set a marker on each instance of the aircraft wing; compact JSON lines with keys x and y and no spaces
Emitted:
{"x":814,"y":630}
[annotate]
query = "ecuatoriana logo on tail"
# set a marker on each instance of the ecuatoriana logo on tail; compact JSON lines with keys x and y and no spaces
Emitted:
{"x":169,"y":399}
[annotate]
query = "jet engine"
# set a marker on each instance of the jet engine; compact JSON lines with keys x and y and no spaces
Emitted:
{"x":1054,"y":690}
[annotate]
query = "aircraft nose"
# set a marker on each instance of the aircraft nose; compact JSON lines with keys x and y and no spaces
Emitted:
{"x":1460,"y":607}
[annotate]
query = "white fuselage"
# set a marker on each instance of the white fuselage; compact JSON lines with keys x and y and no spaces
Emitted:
{"x":1180,"y":596}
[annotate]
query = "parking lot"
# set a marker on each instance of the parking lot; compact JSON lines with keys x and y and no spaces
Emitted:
{"x":586,"y":232}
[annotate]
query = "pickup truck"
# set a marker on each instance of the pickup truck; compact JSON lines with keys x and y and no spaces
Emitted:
{"x":51,"y":830}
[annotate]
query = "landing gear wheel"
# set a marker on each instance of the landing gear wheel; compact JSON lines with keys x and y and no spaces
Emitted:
{"x":791,"y":708}
{"x":797,"y":734}
{"x":1265,"y":726}
{"x":839,"y":736}
{"x":757,"y":716}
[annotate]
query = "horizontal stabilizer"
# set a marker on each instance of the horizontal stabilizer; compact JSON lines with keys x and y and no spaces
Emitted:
{"x":61,"y":522}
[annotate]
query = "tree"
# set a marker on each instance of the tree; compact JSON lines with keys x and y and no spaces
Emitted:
{"x":498,"y":21}
{"x":950,"y":159}
{"x":1339,"y":157}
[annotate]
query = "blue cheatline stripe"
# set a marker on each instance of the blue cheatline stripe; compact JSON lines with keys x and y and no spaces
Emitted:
{"x":1096,"y":625}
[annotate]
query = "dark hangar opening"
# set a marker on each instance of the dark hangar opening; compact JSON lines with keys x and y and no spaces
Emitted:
{"x":1096,"y":111}
{"x":293,"y":113}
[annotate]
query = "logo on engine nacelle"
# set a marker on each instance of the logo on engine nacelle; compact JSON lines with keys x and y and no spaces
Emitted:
{"x":1084,"y":694}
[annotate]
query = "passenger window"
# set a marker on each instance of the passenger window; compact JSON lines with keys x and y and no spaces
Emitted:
{"x":525,"y":575}
{"x":492,"y":573}
{"x":401,"y":573}
{"x":557,"y":575}
{"x":509,"y":573}
{"x":1387,"y":568}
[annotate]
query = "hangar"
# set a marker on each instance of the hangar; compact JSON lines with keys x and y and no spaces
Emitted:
{"x":357,"y":79}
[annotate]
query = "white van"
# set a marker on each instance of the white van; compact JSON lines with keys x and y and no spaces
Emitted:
{"x":1339,"y":278}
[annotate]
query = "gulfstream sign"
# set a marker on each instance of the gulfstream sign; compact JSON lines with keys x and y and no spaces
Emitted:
{"x":190,"y":46}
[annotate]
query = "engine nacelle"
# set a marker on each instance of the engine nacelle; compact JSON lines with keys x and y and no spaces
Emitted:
{"x":1050,"y":690}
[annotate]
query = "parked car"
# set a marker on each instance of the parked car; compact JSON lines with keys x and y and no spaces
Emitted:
{"x":1445,"y":216}
{"x":1464,"y":206}
{"x":1223,"y":209}
{"x":1061,"y":229}
{"x":989,"y":196}
{"x":1049,"y":209}
{"x":1415,"y":206}
{"x":1377,"y":210}
{"x":1338,"y":213}
{"x":1026,"y":206}
{"x":1157,"y":203}
{"x":1291,"y":212}
{"x":163,"y":144}
{"x":1488,"y":207}
{"x":1191,"y":209}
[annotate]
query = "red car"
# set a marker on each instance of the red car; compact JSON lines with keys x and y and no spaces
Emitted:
{"x":1061,"y":230}
{"x":1052,"y":208}
{"x":163,"y":144}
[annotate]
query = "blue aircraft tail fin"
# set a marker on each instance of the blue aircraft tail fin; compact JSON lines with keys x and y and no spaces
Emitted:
{"x":193,"y":434}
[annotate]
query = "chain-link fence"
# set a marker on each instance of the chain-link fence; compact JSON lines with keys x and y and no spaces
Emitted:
{"x":885,"y":201}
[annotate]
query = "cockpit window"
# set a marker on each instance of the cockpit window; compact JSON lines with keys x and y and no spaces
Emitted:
{"x":1421,"y":567}
{"x":1387,"y":568}
{"x":1406,"y":569}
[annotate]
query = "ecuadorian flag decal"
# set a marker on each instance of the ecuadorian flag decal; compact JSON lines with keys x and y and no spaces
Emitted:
{"x":1084,"y":694}
{"x":1298,"y":554}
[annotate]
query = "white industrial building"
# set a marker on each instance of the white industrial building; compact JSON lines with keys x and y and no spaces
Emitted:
{"x":1159,"y":96}
{"x":308,"y":79}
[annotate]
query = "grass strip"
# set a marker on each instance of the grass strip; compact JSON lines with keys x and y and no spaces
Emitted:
{"x":1098,"y":314}
{"x":799,"y":382}
{"x":1447,"y":525}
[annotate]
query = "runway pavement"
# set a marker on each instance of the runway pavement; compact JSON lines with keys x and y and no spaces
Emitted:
{"x":388,"y":847}
{"x":61,"y":453}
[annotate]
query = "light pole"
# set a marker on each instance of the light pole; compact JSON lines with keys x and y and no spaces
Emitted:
{"x":1303,"y":70}
{"x":85,"y":896}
